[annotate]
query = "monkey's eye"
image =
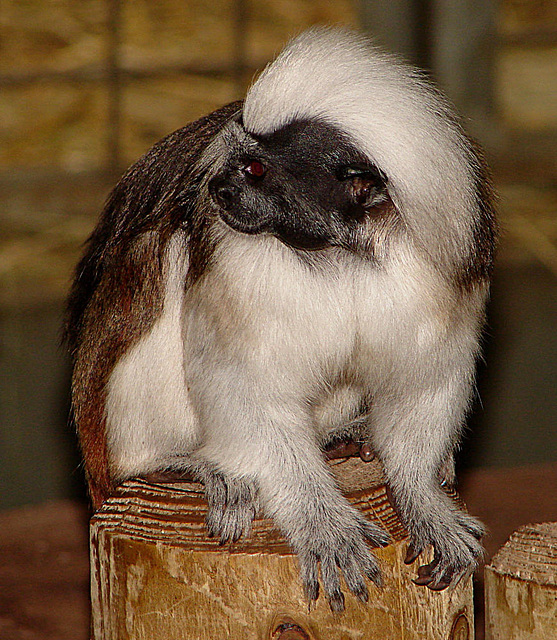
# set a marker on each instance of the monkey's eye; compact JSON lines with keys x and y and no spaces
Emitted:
{"x":256,"y":169}
{"x":367,"y":184}
{"x":352,"y":171}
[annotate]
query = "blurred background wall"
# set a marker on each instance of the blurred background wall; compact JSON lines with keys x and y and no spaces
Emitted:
{"x":87,"y":86}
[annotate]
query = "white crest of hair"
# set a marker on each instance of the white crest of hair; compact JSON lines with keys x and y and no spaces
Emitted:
{"x":392,"y":114}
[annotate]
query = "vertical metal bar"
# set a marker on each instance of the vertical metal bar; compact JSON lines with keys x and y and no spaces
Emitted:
{"x":463,"y":53}
{"x":114,"y":82}
{"x":393,"y":23}
{"x":240,"y":46}
{"x":423,"y":34}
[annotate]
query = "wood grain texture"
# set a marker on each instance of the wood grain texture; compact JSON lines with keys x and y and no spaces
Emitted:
{"x":521,"y":586}
{"x":156,"y":574}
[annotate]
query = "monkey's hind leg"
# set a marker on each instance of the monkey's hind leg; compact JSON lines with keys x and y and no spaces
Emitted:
{"x":233,"y":502}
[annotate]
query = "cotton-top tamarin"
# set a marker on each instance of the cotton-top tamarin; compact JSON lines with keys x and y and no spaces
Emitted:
{"x":308,"y":265}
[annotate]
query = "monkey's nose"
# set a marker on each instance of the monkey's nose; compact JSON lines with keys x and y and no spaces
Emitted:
{"x":222,"y":192}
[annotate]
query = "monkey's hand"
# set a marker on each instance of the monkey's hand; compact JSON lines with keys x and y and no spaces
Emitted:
{"x":337,"y":538}
{"x":456,"y":550}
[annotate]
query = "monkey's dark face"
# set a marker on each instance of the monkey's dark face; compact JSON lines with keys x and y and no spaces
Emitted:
{"x":305,"y":183}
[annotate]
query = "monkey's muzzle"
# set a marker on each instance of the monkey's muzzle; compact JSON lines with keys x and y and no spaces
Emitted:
{"x":245,"y":209}
{"x":230,"y":198}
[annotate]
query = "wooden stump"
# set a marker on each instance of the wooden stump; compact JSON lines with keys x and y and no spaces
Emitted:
{"x":521,"y":586}
{"x":156,"y":574}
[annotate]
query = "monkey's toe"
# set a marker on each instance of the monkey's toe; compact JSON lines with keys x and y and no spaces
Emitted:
{"x":426,"y":573}
{"x":445,"y":569}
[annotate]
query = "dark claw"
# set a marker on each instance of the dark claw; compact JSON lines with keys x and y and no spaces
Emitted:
{"x":374,"y":575}
{"x":362,"y":594}
{"x":312,"y":590}
{"x":336,"y":601}
{"x":425,"y":573}
{"x":434,"y":583}
{"x":441,"y":581}
{"x":412,"y":554}
{"x":439,"y":585}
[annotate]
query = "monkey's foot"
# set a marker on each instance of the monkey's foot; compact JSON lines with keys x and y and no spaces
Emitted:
{"x":348,"y":449}
{"x":456,"y":552}
{"x":233,"y":504}
{"x":339,"y":546}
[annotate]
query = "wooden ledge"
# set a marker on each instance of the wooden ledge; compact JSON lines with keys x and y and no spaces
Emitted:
{"x":175,"y":512}
{"x":156,"y":573}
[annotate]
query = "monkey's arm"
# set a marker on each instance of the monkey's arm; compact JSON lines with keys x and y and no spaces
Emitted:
{"x":414,"y":435}
{"x":265,"y":439}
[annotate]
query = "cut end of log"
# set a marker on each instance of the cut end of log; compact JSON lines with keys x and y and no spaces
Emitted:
{"x":530,"y":554}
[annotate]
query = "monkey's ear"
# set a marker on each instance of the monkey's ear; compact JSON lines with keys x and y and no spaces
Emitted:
{"x":367,"y":184}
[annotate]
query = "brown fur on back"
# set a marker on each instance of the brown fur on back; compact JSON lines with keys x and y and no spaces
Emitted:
{"x":117,"y":293}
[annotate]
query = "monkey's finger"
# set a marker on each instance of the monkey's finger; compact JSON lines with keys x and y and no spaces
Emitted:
{"x":238,"y":515}
{"x":367,"y":563}
{"x":373,"y":572}
{"x":336,"y":601}
{"x":236,"y":520}
{"x":309,"y":574}
{"x":373,"y":533}
{"x":472,"y":525}
{"x":213,"y":521}
{"x":232,"y":528}
{"x":215,"y":488}
{"x":412,"y":553}
{"x":353,"y":576}
{"x":331,"y":583}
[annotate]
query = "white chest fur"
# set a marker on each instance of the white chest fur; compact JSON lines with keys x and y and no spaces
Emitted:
{"x":261,"y":298}
{"x":327,"y":333}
